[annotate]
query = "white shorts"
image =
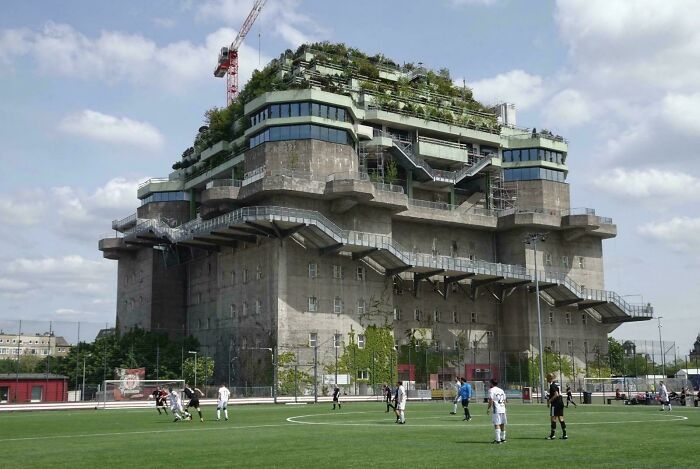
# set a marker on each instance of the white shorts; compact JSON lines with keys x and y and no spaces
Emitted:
{"x":221,"y":405}
{"x":401,"y":406}
{"x":176,"y":408}
{"x":499,"y":419}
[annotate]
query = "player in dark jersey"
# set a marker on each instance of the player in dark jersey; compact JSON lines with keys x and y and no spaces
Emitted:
{"x":569,"y":397}
{"x":160,"y":395}
{"x":336,"y":397}
{"x":388,"y":395}
{"x":193,"y":395}
{"x":556,"y":408}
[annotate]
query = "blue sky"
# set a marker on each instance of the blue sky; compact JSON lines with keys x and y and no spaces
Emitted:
{"x":97,"y":96}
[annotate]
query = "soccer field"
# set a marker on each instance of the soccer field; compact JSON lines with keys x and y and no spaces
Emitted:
{"x":359,"y":435}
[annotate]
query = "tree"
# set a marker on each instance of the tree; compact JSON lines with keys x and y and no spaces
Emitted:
{"x":377,"y":357}
{"x":205,"y":370}
{"x":291,"y":380}
{"x":392,"y":171}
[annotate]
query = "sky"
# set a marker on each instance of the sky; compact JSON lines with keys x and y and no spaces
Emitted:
{"x":97,"y":96}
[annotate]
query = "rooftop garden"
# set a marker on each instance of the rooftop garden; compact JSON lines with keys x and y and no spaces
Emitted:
{"x":373,"y":82}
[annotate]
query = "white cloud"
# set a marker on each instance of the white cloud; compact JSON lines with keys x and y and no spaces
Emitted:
{"x":649,"y":183}
{"x":164,"y":23}
{"x":568,"y":108}
{"x":94,"y":125}
{"x":679,"y":234}
{"x":24,"y":208}
{"x":458,"y":3}
{"x":282,"y":18}
{"x":114,"y":56}
{"x":515,"y":86}
{"x":8,"y":285}
{"x":682,"y":112}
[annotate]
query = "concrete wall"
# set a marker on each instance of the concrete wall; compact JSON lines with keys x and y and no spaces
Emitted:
{"x":176,"y":212}
{"x":542,"y":194}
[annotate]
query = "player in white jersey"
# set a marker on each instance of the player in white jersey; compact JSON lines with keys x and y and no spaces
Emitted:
{"x":458,"y":398}
{"x":401,"y":402}
{"x":497,"y":402}
{"x":663,"y":397}
{"x":222,"y":402}
{"x":176,"y":405}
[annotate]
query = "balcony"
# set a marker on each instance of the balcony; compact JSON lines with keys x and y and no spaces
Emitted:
{"x":221,"y":191}
{"x":125,"y":223}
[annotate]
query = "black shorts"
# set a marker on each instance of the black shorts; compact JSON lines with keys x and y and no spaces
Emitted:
{"x":160,"y":402}
{"x":193,"y":403}
{"x":335,"y":399}
{"x":465,"y":402}
{"x":556,"y":411}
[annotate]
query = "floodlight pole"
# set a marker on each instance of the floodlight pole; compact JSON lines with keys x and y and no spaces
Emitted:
{"x":532,"y":238}
{"x":661,"y":347}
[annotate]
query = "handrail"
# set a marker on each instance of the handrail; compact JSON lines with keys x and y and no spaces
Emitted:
{"x":224,"y":183}
{"x":556,"y":213}
{"x":116,"y":224}
{"x":152,"y":180}
{"x":380,"y":186}
{"x":382,"y":241}
{"x":348,"y":176}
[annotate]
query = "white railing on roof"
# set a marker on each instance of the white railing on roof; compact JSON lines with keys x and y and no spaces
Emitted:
{"x":117,"y":224}
{"x":152,"y":180}
{"x":224,"y":183}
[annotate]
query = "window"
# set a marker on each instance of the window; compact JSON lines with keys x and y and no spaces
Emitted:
{"x":584,"y":319}
{"x":244,"y":342}
{"x":547,"y":258}
{"x":313,"y":269}
{"x":553,"y":345}
{"x":581,"y":262}
{"x":416,"y":314}
{"x":565,"y":261}
{"x":208,"y":323}
{"x":455,"y":317}
{"x":232,"y":310}
{"x":258,"y":272}
{"x":336,"y":340}
{"x":551,"y":317}
{"x":245,"y":275}
{"x":313,"y":304}
{"x":233,"y":277}
{"x":585,"y":346}
{"x":361,"y":341}
{"x":568,"y":318}
{"x":4,"y":394}
{"x":397,"y":314}
{"x":363,"y":374}
{"x":474,"y":317}
{"x":258,"y":307}
{"x":436,"y":316}
{"x":245,"y":308}
{"x":361,"y":306}
{"x":338,"y":305}
{"x":337,"y":271}
{"x":313,"y":339}
{"x":199,"y":298}
{"x":360,"y":273}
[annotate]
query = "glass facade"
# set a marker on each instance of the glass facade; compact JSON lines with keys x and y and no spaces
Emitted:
{"x":165,"y":197}
{"x":533,"y":154}
{"x":526,"y":174}
{"x":274,"y":111}
{"x":301,"y":132}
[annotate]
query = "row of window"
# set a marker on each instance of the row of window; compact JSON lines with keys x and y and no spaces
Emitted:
{"x":360,"y":272}
{"x":564,"y":260}
{"x":30,"y":341}
{"x":165,"y":197}
{"x":337,"y":340}
{"x":304,"y":109}
{"x":533,"y":154}
{"x":27,"y":351}
{"x":568,"y":318}
{"x":437,"y":316}
{"x":527,"y":174}
{"x":301,"y":132}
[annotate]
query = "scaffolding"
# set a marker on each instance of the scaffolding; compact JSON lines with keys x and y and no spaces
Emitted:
{"x":503,"y":197}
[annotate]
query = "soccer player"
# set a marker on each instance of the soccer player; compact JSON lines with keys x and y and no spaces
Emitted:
{"x":176,"y":406}
{"x":458,"y":386}
{"x":160,"y":395}
{"x":497,"y":402}
{"x":569,"y":397}
{"x":336,"y":397}
{"x":663,"y":397}
{"x":465,"y":393}
{"x":401,"y":402}
{"x":387,"y":396}
{"x":193,"y":395}
{"x":556,"y":408}
{"x":222,"y":402}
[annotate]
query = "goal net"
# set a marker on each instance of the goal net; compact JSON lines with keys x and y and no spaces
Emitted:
{"x":631,"y":385}
{"x":121,"y":392}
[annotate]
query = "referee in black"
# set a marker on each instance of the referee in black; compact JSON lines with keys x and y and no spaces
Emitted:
{"x":556,"y":408}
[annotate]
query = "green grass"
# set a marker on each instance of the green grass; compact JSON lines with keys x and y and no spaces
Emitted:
{"x":360,"y":435}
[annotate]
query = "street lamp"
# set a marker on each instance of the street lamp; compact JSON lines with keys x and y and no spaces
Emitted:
{"x":194,"y":352}
{"x":531,"y":239}
{"x":661,"y":346}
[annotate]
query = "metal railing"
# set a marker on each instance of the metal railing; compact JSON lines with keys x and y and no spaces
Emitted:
{"x":110,"y":235}
{"x":254,"y":175}
{"x":152,"y":180}
{"x":117,"y":224}
{"x":380,"y":186}
{"x":292,"y":173}
{"x":385,"y":242}
{"x":348,"y":176}
{"x":431,"y":205}
{"x":224,"y":183}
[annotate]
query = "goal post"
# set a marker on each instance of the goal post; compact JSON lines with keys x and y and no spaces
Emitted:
{"x":120,"y":392}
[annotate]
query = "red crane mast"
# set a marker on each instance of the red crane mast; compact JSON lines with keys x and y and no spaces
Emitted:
{"x":228,"y":57}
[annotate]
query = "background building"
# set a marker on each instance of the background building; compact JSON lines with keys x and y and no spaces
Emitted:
{"x":342,"y":191}
{"x":40,"y":345}
{"x":32,"y":387}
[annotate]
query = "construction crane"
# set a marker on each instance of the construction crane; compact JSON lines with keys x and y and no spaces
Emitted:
{"x":228,"y":57}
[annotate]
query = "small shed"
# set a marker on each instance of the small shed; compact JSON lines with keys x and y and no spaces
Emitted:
{"x":20,"y":388}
